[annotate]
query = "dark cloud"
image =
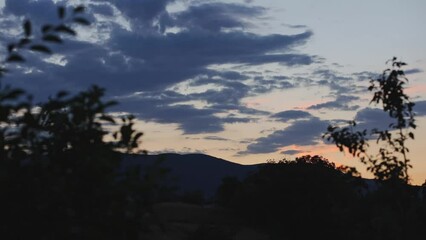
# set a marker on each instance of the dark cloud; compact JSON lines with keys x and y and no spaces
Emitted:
{"x":191,"y":120}
{"x":216,"y":138}
{"x":38,"y":11}
{"x":420,"y":108}
{"x":103,"y":9}
{"x":184,"y":150}
{"x":327,"y":74}
{"x":289,"y":115}
{"x":283,"y":59}
{"x":145,"y":62}
{"x":232,"y":75}
{"x":145,"y":10}
{"x":302,"y":133}
{"x":216,"y":16}
{"x":230,"y":95}
{"x":372,"y":118}
{"x":342,"y":103}
{"x":269,"y":86}
{"x":365,"y":75}
{"x":145,"y":15}
{"x":413,"y":71}
{"x":375,"y":118}
{"x":298,"y":26}
{"x":172,"y":58}
{"x":136,"y":66}
{"x":291,"y":152}
{"x":337,"y":82}
{"x":374,"y":75}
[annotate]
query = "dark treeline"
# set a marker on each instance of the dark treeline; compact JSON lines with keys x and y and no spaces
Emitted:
{"x":310,"y":198}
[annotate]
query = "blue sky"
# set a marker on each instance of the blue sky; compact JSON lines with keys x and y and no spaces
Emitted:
{"x":243,"y":80}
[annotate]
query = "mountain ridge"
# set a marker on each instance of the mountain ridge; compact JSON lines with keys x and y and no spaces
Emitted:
{"x":192,"y":172}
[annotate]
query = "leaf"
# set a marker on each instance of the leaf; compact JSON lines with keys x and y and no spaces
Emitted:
{"x":107,"y":118}
{"x":138,"y":135}
{"x":61,"y":12}
{"x":11,"y":47}
{"x":15,"y":58}
{"x":23,"y":42}
{"x":27,"y":28}
{"x":82,"y":21}
{"x":79,"y":9}
{"x":40,"y":48}
{"x":52,"y":38}
{"x":46,"y":28}
{"x":411,"y":135}
{"x":65,"y":29}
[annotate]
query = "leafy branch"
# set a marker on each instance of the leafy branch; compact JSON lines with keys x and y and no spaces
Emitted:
{"x":48,"y":34}
{"x":391,"y":162}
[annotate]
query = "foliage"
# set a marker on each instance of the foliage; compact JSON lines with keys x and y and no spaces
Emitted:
{"x":59,"y":172}
{"x":206,"y":232}
{"x":59,"y":161}
{"x":226,"y":191}
{"x":285,"y":196}
{"x":391,"y":162}
{"x":49,"y":33}
{"x":310,"y":197}
{"x":193,"y":197}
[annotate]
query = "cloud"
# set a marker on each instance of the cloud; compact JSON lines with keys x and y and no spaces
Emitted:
{"x":103,"y":9}
{"x":268,"y":84}
{"x":217,"y":16}
{"x":420,"y":108}
{"x":371,"y":118}
{"x":38,"y":11}
{"x":365,"y":75}
{"x":295,"y":26}
{"x":339,"y":83}
{"x":190,"y":120}
{"x":216,"y":138}
{"x":342,"y":103}
{"x":328,"y":74}
{"x":291,"y":152}
{"x":289,"y":115}
{"x":145,"y":15}
{"x":138,"y":65}
{"x":174,"y":57}
{"x":375,"y":118}
{"x":302,"y":133}
{"x":413,"y":71}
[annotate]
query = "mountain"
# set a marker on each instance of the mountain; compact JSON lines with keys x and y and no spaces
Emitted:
{"x":191,"y":172}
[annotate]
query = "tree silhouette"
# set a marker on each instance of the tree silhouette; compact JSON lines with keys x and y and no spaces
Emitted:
{"x":298,"y":199}
{"x":391,"y":162}
{"x":59,"y":175}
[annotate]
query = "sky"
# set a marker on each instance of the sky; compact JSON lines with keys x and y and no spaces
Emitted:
{"x":246,"y":81}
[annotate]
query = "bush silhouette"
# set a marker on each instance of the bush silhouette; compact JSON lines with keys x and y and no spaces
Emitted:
{"x":310,"y":197}
{"x":284,"y":197}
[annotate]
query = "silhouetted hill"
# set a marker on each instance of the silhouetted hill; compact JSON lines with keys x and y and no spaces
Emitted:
{"x":200,"y":172}
{"x":192,"y":172}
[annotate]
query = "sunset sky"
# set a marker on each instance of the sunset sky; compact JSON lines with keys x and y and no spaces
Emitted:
{"x":245,"y":81}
